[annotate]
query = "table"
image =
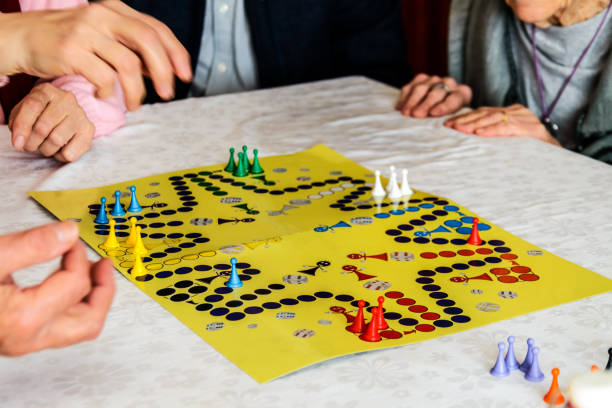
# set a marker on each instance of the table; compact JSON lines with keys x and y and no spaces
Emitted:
{"x":551,"y":197}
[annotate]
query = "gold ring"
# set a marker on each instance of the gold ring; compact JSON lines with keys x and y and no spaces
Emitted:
{"x":505,"y":117}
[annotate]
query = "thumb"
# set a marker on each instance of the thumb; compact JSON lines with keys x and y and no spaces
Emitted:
{"x":37,"y":245}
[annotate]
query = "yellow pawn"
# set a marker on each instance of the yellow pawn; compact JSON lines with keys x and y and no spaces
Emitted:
{"x":139,"y":248}
{"x":131,"y":239}
{"x":111,"y":242}
{"x":138,"y":269}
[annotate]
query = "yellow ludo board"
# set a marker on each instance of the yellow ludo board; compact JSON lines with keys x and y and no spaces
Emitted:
{"x":310,"y":242}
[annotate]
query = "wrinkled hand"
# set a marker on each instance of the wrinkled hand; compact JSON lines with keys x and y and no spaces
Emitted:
{"x":426,"y":96}
{"x":99,"y":41}
{"x":51,"y":121}
{"x":68,"y":307}
{"x":515,"y":120}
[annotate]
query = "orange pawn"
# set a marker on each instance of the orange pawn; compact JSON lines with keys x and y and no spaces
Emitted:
{"x":380,"y":319}
{"x":474,"y":236}
{"x":358,"y":325}
{"x":554,"y":392}
{"x":594,"y":368}
{"x":371,"y":333}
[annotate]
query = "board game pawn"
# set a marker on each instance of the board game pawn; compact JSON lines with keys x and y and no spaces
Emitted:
{"x":358,"y":325}
{"x":392,"y":179}
{"x":380,"y":318}
{"x":406,"y":190}
{"x":111,"y":241}
{"x":131,"y":239}
{"x":500,"y":369}
{"x":474,"y":238}
{"x":511,"y":362}
{"x":231,"y":164}
{"x":255,"y":166}
{"x":234,"y":281}
{"x":245,"y":157}
{"x":371,"y":333}
{"x":134,"y":205}
{"x":534,"y":374}
{"x":138,"y":269}
{"x":101,"y":218}
{"x":396,"y":193}
{"x":554,"y":394}
{"x":524,"y":367}
{"x":594,"y":368}
{"x":117,"y":208}
{"x":240,"y":170}
{"x":609,"y":365}
{"x":379,"y":191}
{"x":139,"y":247}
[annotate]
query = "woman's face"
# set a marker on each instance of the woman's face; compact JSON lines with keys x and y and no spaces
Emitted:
{"x":536,"y":11}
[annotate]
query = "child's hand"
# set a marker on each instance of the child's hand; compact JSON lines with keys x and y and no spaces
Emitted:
{"x":51,"y":121}
{"x":515,"y":120}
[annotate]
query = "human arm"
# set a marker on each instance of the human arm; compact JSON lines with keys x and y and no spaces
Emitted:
{"x":515,"y":120}
{"x":68,"y":307}
{"x":99,"y":41}
{"x":50,"y":120}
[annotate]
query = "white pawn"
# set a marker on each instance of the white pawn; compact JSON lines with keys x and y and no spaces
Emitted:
{"x":395,"y":193}
{"x":406,"y":190}
{"x":379,"y":191}
{"x":392,"y":179}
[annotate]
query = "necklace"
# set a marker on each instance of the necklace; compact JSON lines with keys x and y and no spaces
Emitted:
{"x":552,"y":127}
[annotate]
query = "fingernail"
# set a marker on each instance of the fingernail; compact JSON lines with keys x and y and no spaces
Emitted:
{"x":67,"y":231}
{"x":167,"y":92}
{"x":19,"y":142}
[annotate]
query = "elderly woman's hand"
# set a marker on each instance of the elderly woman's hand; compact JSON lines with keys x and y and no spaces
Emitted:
{"x":515,"y":120}
{"x":433,"y":96}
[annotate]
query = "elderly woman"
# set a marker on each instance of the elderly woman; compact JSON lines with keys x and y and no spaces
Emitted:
{"x":535,"y":68}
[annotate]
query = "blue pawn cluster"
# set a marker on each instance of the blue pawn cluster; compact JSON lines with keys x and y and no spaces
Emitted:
{"x":118,"y":210}
{"x":234,"y":281}
{"x":101,"y":218}
{"x":530,"y":366}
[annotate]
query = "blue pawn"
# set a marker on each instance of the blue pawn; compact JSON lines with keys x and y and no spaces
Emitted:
{"x":534,"y":374}
{"x":117,"y":209}
{"x":134,"y":206}
{"x":500,"y":369}
{"x":524,"y":367}
{"x":511,"y":362}
{"x":101,"y":218}
{"x":234,"y":280}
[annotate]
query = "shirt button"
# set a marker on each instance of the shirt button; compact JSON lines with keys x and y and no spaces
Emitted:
{"x":222,"y":67}
{"x":223,"y":9}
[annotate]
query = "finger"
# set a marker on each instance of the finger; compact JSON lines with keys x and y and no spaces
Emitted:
{"x":483,"y":121}
{"x":434,"y":97}
{"x":499,"y":129}
{"x":102,"y":76}
{"x":418,"y":93}
{"x":58,"y":138}
{"x":79,"y":144}
{"x":37,"y":245}
{"x":453,"y":102}
{"x":465,"y":118}
{"x":65,"y":287}
{"x":179,"y":56}
{"x":28,"y":112}
{"x":127,"y":65}
{"x":101,"y":296}
{"x":405,"y":91}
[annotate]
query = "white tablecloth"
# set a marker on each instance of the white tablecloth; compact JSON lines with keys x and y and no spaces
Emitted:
{"x":145,"y":357}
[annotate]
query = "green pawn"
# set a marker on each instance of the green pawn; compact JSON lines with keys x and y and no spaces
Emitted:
{"x":256,"y":167}
{"x":231,"y":165}
{"x":245,"y":157}
{"x":240,"y":170}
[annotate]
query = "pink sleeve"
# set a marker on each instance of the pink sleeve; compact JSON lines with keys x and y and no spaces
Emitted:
{"x":107,"y":115}
{"x":32,"y":5}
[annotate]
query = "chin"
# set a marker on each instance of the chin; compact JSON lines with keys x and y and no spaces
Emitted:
{"x":532,"y":11}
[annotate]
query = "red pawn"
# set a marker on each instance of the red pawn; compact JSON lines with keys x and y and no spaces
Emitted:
{"x":371,"y":333}
{"x":474,"y":237}
{"x":554,"y":391}
{"x":380,"y":319}
{"x":358,"y":325}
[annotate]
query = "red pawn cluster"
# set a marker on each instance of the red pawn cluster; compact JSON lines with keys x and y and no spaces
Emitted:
{"x":371,"y":331}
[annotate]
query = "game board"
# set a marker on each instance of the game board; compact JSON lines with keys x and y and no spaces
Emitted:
{"x":310,"y":242}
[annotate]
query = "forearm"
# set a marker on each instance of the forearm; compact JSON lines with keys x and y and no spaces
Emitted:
{"x":11,"y":43}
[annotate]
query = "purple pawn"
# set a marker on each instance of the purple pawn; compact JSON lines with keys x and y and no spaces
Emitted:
{"x":534,"y":374}
{"x":500,"y":369}
{"x":524,"y":367}
{"x":511,"y":362}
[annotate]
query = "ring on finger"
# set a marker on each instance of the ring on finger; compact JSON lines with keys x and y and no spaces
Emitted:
{"x":440,"y":85}
{"x":504,"y":116}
